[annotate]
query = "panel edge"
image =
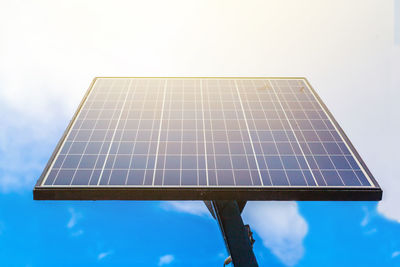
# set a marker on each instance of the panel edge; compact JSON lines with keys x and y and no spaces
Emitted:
{"x":64,"y":135}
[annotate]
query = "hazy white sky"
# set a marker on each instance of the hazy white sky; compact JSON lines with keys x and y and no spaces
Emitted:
{"x":51,"y":50}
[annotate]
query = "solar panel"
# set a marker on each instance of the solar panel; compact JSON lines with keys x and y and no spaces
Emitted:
{"x":205,"y":139}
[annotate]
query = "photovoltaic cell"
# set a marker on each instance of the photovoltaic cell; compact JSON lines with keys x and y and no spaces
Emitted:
{"x":198,"y":134}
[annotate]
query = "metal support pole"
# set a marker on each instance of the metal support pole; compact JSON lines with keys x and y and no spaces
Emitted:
{"x":236,"y":237}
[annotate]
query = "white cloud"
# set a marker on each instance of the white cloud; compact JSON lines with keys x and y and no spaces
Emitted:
{"x":367,"y":217}
{"x":371,"y":232}
{"x":222,"y":255}
{"x":395,"y":254}
{"x":191,"y":207}
{"x":102,"y":255}
{"x":72,"y":222}
{"x":77,"y":233}
{"x":75,"y":216}
{"x":11,"y":182}
{"x":166,"y":259}
{"x":280,"y":226}
{"x":365,"y":221}
{"x":387,"y":145}
{"x":24,"y":148}
{"x":389,"y":206}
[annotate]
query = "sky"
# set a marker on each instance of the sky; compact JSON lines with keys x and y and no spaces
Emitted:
{"x":51,"y":50}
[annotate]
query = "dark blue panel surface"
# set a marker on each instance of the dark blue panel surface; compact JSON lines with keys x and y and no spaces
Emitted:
{"x":137,"y":132}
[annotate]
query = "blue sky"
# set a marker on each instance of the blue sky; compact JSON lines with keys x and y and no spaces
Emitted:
{"x":49,"y":53}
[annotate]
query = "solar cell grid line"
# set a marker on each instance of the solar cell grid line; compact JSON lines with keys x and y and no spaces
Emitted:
{"x":204,"y":131}
{"x":281,"y":97}
{"x":171,"y":146}
{"x":293,"y":124}
{"x":150,"y":114}
{"x":172,"y":162}
{"x":261,"y":151}
{"x":225,"y":94}
{"x":282,"y":100}
{"x":258,"y":92}
{"x":229,"y":155}
{"x":83,"y":178}
{"x":78,"y":130}
{"x":181,"y":93}
{"x":184,"y":125}
{"x":200,"y":159}
{"x":250,"y":108}
{"x":205,"y":139}
{"x":251,"y":160}
{"x":200,"y":136}
{"x":112,"y":172}
{"x":124,"y":145}
{"x":302,"y":158}
{"x":184,"y":166}
{"x":217,"y":147}
{"x":71,"y":138}
{"x":115,"y":164}
{"x":220,"y":136}
{"x":280,"y":129}
{"x":91,"y":108}
{"x":199,"y":139}
{"x":311,"y":128}
{"x":341,"y":144}
{"x":301,"y":132}
{"x":171,"y":172}
{"x":265,"y":176}
{"x":190,"y":174}
{"x":291,"y":128}
{"x":173,"y":139}
{"x":248,"y":132}
{"x":144,"y":157}
{"x":159,"y":133}
{"x":243,"y":137}
{"x":150,"y":165}
{"x":166,"y":128}
{"x":89,"y":149}
{"x":180,"y":96}
{"x":298,"y":153}
{"x":287,"y":112}
{"x":107,"y":171}
{"x":98,"y":126}
{"x":324,"y":152}
{"x":134,"y":173}
{"x":238,"y":162}
{"x":209,"y":139}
